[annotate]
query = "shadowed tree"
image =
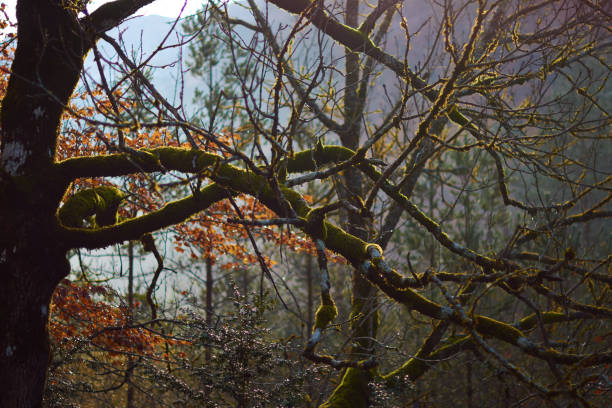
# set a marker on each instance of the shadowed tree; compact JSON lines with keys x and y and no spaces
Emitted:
{"x":488,"y":92}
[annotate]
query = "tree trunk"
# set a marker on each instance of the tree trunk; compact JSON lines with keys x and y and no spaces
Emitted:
{"x":129,"y":403}
{"x":363,"y":300}
{"x":29,"y":275}
{"x":32,"y":263}
{"x":209,"y":305}
{"x":309,"y":295}
{"x":45,"y":70}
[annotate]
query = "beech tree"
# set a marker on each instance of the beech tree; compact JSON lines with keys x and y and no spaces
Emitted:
{"x":514,"y":107}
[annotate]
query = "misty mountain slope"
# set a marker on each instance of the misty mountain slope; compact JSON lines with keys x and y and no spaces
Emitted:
{"x":159,"y":43}
{"x":156,"y":43}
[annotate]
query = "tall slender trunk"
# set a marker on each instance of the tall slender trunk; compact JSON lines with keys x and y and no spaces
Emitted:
{"x":310,"y":388}
{"x":130,"y":360}
{"x":364,"y":315}
{"x":363,"y":293}
{"x":209,"y":306}
{"x":309,"y":295}
{"x":469,"y":389}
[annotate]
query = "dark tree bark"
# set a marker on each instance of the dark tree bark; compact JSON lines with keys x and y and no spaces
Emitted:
{"x":52,"y":44}
{"x":46,"y":68}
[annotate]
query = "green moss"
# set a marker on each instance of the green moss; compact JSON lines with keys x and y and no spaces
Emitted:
{"x":392,"y":277}
{"x":148,"y":160}
{"x":416,"y":366}
{"x":309,"y":160}
{"x":531,"y":321}
{"x":494,"y":328}
{"x":281,"y":174}
{"x":299,"y":205}
{"x":326,"y":299}
{"x":351,"y":247}
{"x":326,"y":312}
{"x":413,"y":369}
{"x":185,"y":160}
{"x":133,"y":229}
{"x":422,"y":304}
{"x":407,"y":297}
{"x":350,"y":37}
{"x":352,"y":392}
{"x":102,"y":201}
{"x":325,"y":315}
{"x":246,"y":182}
{"x":375,"y":247}
{"x":459,"y":118}
{"x":315,"y":224}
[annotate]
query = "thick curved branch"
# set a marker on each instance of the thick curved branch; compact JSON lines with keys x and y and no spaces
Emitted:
{"x":195,"y":161}
{"x":111,"y":14}
{"x":365,"y":257}
{"x":132,"y":229}
{"x":356,"y":41}
{"x":102,"y":201}
{"x":144,"y":160}
{"x":426,"y":357}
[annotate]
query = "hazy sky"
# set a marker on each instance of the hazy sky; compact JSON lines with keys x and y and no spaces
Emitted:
{"x":168,"y":8}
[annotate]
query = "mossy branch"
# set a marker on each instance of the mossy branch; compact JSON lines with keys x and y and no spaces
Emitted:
{"x":484,"y":325}
{"x":357,"y":41}
{"x":348,"y":36}
{"x":352,"y":392}
{"x":132,"y":229}
{"x":325,"y":314}
{"x":365,"y":257}
{"x":531,"y":321}
{"x":143,"y":160}
{"x":306,"y":161}
{"x":102,"y":201}
{"x":418,"y":365}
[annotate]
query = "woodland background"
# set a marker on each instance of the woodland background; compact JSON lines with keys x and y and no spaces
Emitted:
{"x":508,"y":180}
